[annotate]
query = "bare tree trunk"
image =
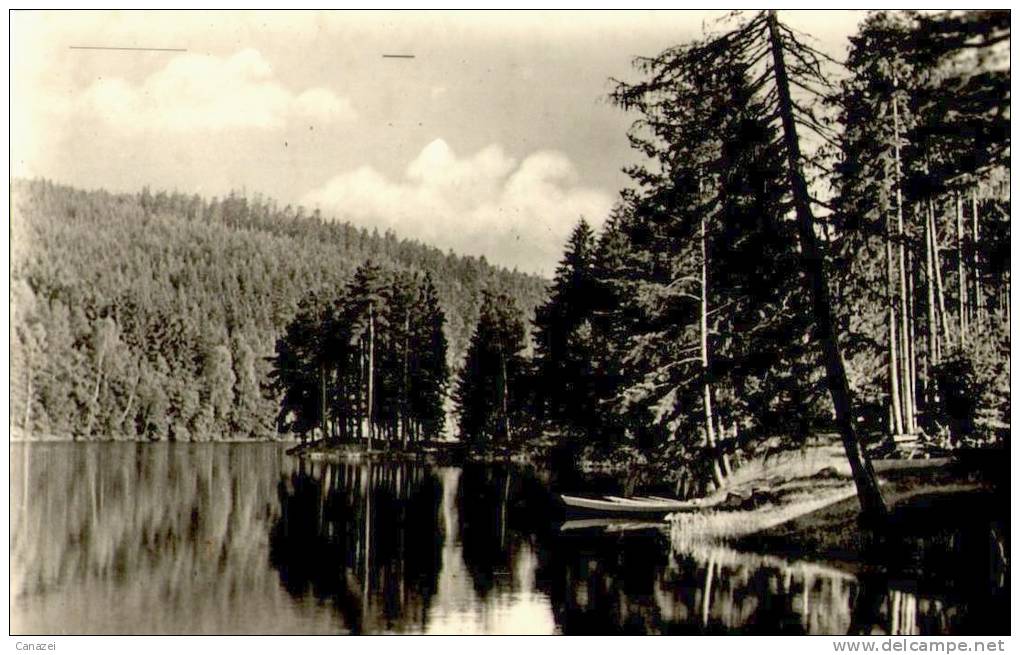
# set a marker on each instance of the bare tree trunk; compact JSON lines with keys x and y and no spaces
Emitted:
{"x":909,"y":404}
{"x":929,"y":281}
{"x":720,"y":431}
{"x":127,"y":408}
{"x":371,"y":375}
{"x":1005,"y":303}
{"x":406,"y":383}
{"x":960,"y":273}
{"x":359,"y":390}
{"x":868,"y":494}
{"x":706,"y":389}
{"x":322,"y":401}
{"x":896,"y":425}
{"x":940,"y":290}
{"x":911,"y":341}
{"x":976,"y":275}
{"x":504,"y":394}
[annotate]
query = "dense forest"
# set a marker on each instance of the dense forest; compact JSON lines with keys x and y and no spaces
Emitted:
{"x":808,"y":246}
{"x":157,"y":315}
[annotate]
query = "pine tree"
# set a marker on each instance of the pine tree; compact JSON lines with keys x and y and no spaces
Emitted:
{"x":396,"y":348}
{"x":367,"y":298}
{"x":430,"y":371}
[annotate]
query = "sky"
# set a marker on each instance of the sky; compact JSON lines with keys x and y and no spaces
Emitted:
{"x":492,"y":140}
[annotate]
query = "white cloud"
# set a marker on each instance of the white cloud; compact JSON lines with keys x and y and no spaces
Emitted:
{"x":516,"y":214}
{"x":204,"y":92}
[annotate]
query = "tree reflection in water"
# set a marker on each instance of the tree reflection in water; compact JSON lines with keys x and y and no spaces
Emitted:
{"x":351,"y":535}
{"x":500,"y":564}
{"x":131,"y":538}
{"x":175,"y":538}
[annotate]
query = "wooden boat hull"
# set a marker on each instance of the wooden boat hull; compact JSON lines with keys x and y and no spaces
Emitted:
{"x":625,"y":506}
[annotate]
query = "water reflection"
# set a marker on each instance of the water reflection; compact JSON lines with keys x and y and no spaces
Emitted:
{"x":165,"y":538}
{"x":161,"y":539}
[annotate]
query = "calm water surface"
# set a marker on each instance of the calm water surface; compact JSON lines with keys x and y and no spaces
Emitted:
{"x":219,"y":538}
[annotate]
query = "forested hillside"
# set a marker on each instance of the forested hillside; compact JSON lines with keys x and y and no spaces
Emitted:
{"x":153,"y":316}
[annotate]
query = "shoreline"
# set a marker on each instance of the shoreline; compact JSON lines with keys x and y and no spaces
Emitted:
{"x":820,"y":522}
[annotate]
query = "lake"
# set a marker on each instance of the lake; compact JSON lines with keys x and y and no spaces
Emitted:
{"x":242,"y":539}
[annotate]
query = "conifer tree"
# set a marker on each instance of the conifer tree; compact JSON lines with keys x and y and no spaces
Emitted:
{"x":490,"y":396}
{"x":564,"y":350}
{"x":767,"y":60}
{"x":367,"y":319}
{"x":430,"y":371}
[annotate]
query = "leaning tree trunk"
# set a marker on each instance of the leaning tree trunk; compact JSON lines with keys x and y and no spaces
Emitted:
{"x":870,"y":496}
{"x":95,"y":395}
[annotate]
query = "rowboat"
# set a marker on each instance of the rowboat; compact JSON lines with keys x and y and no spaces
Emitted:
{"x":638,"y":505}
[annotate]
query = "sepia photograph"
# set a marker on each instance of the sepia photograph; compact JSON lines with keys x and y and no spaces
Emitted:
{"x":420,"y":322}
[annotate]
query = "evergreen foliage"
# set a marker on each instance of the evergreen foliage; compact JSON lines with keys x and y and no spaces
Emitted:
{"x":795,"y":256}
{"x":346,"y":363}
{"x":749,"y":288}
{"x":564,"y":346}
{"x":491,"y":393}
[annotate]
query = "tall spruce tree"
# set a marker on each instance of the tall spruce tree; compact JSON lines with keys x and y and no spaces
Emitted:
{"x":771,"y":61}
{"x":715,"y":334}
{"x":564,"y":347}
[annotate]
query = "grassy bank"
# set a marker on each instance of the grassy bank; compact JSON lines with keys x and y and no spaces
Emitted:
{"x":923,"y":503}
{"x":793,"y":508}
